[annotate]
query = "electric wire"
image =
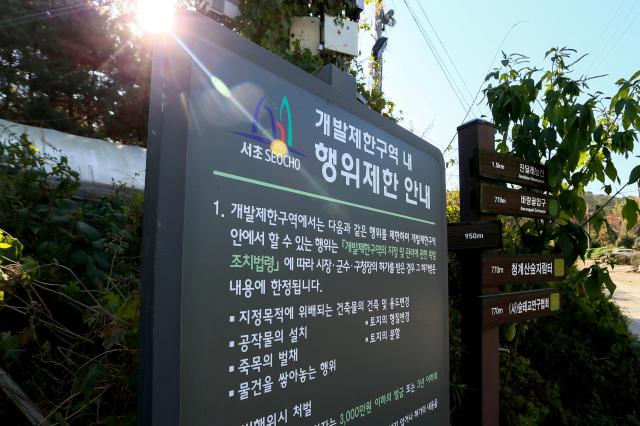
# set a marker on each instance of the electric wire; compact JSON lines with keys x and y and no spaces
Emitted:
{"x":446,"y":51}
{"x":608,"y":52}
{"x":459,"y":96}
{"x":483,"y":80}
{"x":603,"y":32}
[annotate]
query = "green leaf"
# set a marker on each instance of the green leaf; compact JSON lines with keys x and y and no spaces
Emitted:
{"x":605,"y":278}
{"x":630,"y":212}
{"x":629,"y":114}
{"x":91,"y":379}
{"x":597,"y":221}
{"x":566,"y":245}
{"x":635,"y":175}
{"x":592,"y":284}
{"x":510,"y":332}
{"x":580,"y":208}
{"x":29,"y":270}
{"x":130,"y":310}
{"x":88,"y":231}
{"x":611,"y":171}
{"x":10,"y":248}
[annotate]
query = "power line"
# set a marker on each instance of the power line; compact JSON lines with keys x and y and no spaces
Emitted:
{"x":446,"y":51}
{"x":437,"y":57}
{"x":482,"y":83}
{"x":456,"y":90}
{"x":606,"y":28}
{"x":608,"y":52}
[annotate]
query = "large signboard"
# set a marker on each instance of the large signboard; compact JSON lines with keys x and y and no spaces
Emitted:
{"x":296,"y":268}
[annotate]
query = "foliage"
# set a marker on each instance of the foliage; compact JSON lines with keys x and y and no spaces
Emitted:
{"x":79,"y":69}
{"x":578,"y":368}
{"x":69,"y":315}
{"x":269,"y":24}
{"x":84,"y":69}
{"x":457,"y":388}
{"x":626,"y":241}
{"x":581,"y":367}
{"x":549,"y":117}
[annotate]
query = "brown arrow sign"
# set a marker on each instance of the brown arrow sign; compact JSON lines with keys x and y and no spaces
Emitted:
{"x":508,"y":168}
{"x":511,"y":202}
{"x":506,"y":308}
{"x":521,"y":268}
{"x":474,"y":235}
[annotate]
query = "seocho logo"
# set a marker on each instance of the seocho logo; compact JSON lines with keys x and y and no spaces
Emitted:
{"x":267,"y":130}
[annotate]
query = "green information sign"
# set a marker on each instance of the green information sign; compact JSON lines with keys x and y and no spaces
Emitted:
{"x":295,"y":248}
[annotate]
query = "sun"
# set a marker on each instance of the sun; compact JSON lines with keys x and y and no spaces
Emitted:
{"x":156,"y":15}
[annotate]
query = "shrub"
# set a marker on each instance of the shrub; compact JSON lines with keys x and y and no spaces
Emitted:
{"x":626,"y":241}
{"x":69,"y":319}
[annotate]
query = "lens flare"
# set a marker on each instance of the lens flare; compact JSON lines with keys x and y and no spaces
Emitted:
{"x":220,"y":86}
{"x":279,"y":148}
{"x":156,"y":15}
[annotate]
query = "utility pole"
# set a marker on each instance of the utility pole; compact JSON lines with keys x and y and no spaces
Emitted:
{"x":382,"y":20}
{"x":377,"y":64}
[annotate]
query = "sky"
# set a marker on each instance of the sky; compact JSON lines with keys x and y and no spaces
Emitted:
{"x":472,"y":32}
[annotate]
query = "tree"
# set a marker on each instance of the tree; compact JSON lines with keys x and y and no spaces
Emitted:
{"x":565,"y":369}
{"x":268,"y":25}
{"x":80,"y":67}
{"x":550,"y":117}
{"x":74,"y":66}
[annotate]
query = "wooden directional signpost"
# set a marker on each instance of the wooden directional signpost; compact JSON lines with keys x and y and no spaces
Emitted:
{"x":483,"y":196}
{"x":511,"y":202}
{"x":507,"y":308}
{"x":523,"y":268}
{"x":492,"y":165}
{"x":475,"y":235}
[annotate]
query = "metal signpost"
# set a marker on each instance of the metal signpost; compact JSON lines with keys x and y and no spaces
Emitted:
{"x":477,"y":239}
{"x":295,"y":248}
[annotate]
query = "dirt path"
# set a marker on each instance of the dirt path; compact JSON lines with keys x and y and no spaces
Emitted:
{"x":627,"y":294}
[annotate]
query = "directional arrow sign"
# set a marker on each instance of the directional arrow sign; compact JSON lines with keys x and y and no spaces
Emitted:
{"x":508,"y":168}
{"x":521,"y":268}
{"x":511,"y":202}
{"x":506,"y":308}
{"x":474,"y":235}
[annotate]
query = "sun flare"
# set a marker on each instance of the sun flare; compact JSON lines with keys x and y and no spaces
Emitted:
{"x":156,"y":15}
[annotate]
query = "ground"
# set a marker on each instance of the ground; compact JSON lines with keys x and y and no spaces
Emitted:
{"x":627,"y":294}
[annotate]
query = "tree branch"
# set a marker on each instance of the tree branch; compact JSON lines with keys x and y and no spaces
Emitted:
{"x":604,"y":205}
{"x":21,"y":400}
